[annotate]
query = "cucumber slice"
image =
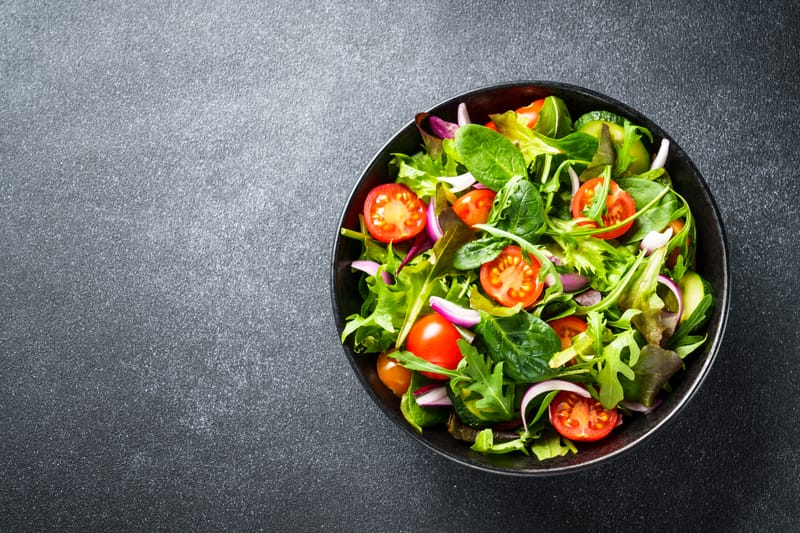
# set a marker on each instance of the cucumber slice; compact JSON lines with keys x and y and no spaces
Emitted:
{"x":639,"y":154}
{"x":605,"y":116}
{"x":693,"y":288}
{"x":465,"y":409}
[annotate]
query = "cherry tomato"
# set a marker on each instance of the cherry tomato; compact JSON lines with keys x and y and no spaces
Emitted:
{"x":433,"y":338}
{"x":619,"y":206}
{"x":393,"y":212}
{"x":474,"y":206}
{"x":396,"y":377}
{"x":510,"y":280}
{"x":529,"y":112}
{"x":579,"y":418}
{"x":567,"y":327}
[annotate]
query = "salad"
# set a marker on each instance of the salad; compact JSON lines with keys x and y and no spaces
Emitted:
{"x":528,"y":282}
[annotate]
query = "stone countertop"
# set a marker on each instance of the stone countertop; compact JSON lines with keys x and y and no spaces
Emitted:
{"x":171,"y":179}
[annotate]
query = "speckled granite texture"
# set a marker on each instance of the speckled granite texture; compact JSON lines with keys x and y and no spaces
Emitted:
{"x":171,"y":178}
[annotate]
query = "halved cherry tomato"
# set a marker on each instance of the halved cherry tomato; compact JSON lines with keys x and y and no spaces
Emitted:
{"x":396,"y":377}
{"x":619,"y":206}
{"x":529,"y":112}
{"x":579,"y":418}
{"x":474,"y":206}
{"x":433,"y":338}
{"x":567,"y":327}
{"x":393,"y":212}
{"x":510,"y":280}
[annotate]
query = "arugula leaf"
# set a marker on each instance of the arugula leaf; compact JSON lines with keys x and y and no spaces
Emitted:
{"x":491,"y":399}
{"x":474,"y":381}
{"x":682,"y":341}
{"x":381,"y":313}
{"x":489,"y":156}
{"x":523,"y":342}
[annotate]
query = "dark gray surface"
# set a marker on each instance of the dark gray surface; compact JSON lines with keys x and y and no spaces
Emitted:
{"x":171,"y":177}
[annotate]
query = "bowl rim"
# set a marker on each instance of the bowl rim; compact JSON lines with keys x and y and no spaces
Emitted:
{"x":722,"y":301}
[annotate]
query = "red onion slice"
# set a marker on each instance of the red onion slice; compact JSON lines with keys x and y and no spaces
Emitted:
{"x":442,"y":128}
{"x":661,"y":157}
{"x":576,"y":184}
{"x":436,"y":397}
{"x":573,"y":282}
{"x":655,"y":240}
{"x":456,"y":314}
{"x":432,"y":227}
{"x":672,"y":286}
{"x":371,"y":268}
{"x":547,"y":386}
{"x":463,"y":115}
{"x":459,"y":183}
{"x":421,"y":244}
{"x":569,"y":282}
{"x":588,"y":298}
{"x":425,"y":388}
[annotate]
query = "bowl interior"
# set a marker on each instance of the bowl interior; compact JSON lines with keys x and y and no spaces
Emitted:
{"x":712,"y":264}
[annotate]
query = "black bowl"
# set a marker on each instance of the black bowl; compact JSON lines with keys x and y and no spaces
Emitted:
{"x":712,"y":264}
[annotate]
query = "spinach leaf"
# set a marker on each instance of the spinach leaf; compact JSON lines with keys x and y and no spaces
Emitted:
{"x":656,"y":217}
{"x":475,"y":253}
{"x":518,"y":209}
{"x":489,"y":156}
{"x":554,"y":120}
{"x":523,"y":342}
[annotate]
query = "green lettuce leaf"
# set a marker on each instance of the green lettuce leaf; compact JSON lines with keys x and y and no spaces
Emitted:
{"x":640,"y":293}
{"x":654,"y":368}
